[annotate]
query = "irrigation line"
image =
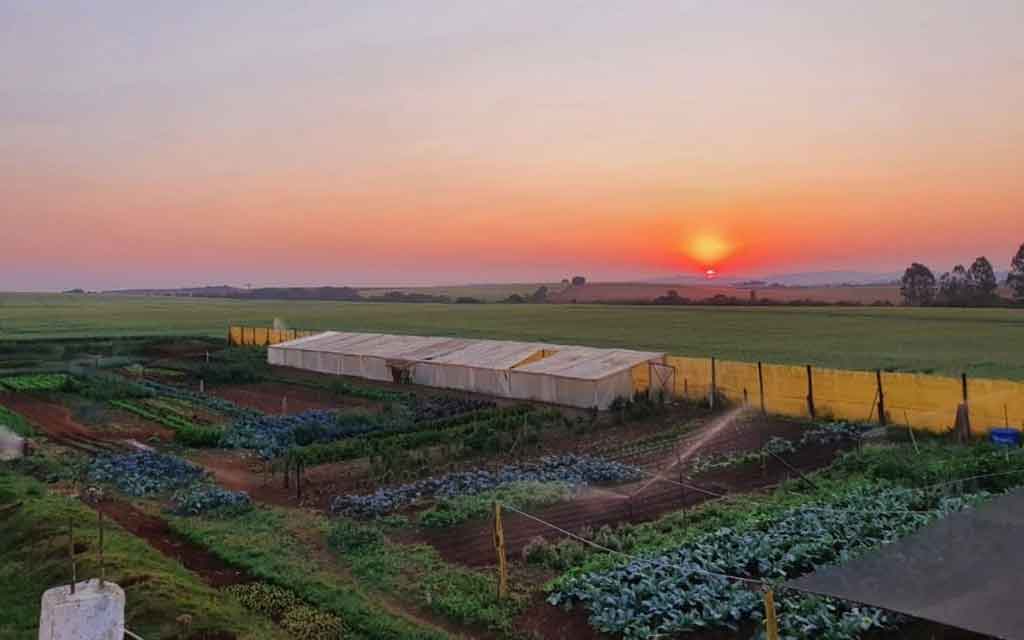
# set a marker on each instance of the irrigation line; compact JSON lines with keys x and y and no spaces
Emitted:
{"x":656,"y":476}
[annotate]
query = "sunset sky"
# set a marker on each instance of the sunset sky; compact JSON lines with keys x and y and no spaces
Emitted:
{"x":385,"y":142}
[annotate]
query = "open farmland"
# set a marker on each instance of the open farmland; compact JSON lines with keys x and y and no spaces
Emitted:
{"x":295,"y":504}
{"x":981,"y":342}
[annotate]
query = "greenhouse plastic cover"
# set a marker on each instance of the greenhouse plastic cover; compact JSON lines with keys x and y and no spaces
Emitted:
{"x":575,"y":376}
{"x":965,"y":570}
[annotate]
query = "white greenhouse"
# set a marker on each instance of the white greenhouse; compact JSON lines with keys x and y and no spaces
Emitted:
{"x":574,"y":376}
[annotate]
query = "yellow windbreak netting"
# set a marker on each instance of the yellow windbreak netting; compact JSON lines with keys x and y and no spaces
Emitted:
{"x":693,"y":376}
{"x":845,"y":395}
{"x":641,"y":377}
{"x":738,"y":382}
{"x":262,"y":336}
{"x":785,"y":390}
{"x":995,"y":403}
{"x":921,"y":400}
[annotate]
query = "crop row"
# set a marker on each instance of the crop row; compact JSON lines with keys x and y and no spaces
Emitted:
{"x":149,"y":473}
{"x":143,"y":473}
{"x":821,"y":434}
{"x":477,"y":432}
{"x":219,"y":405}
{"x":185,"y":431}
{"x":685,"y":589}
{"x":575,"y":471}
{"x":36,"y":382}
{"x":272,"y":436}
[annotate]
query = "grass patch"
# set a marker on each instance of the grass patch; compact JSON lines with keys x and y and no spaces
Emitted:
{"x":523,"y":495}
{"x":418,"y":574}
{"x":264,"y":542}
{"x":15,"y":422}
{"x":33,"y":558}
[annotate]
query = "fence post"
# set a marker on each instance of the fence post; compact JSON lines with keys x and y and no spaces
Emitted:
{"x":71,"y":553}
{"x":103,"y":565}
{"x":810,"y":393}
{"x":499,"y":547}
{"x":771,"y":622}
{"x":760,"y":386}
{"x":714,"y":385}
{"x":881,"y":398}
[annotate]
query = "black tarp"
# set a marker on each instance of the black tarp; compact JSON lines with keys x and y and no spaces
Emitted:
{"x":965,"y":570}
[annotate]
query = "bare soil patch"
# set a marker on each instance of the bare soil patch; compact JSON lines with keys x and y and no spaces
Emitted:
{"x":55,"y":421}
{"x":267,"y":397}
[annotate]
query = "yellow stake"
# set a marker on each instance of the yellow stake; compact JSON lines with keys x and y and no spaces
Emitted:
{"x":499,"y":547}
{"x":771,"y":624}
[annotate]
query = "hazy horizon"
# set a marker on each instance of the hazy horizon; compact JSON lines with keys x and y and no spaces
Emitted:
{"x":155,"y":145}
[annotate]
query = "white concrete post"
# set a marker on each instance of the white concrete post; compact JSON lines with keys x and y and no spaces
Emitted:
{"x":91,"y":613}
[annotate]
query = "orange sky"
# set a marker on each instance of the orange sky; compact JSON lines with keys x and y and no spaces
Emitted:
{"x":143,"y":146}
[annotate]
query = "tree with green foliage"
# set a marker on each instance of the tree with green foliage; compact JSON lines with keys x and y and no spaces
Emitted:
{"x":1015,"y":279}
{"x":918,"y":285}
{"x":954,"y":287}
{"x":982,"y":282}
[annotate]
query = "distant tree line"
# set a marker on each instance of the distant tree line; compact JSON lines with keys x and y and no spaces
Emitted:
{"x":976,"y":286}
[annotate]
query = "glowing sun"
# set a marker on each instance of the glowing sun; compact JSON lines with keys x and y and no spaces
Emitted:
{"x":708,"y":249}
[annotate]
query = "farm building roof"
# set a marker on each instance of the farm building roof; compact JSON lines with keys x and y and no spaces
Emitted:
{"x":588,"y":363}
{"x":583,"y":363}
{"x":964,"y":570}
{"x":493,"y":354}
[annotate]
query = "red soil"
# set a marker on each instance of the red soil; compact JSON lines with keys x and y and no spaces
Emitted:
{"x":56,"y":422}
{"x":267,"y":396}
{"x":155,"y":531}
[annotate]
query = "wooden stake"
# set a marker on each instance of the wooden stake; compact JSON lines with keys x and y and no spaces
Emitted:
{"x":810,"y":393}
{"x":103,"y":566}
{"x":771,"y":622}
{"x":881,"y":398}
{"x":499,"y":547}
{"x":714,"y":385}
{"x":760,"y":386}
{"x":71,"y":553}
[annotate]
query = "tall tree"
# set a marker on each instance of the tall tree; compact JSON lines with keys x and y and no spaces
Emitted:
{"x":982,"y":280}
{"x":918,"y":285}
{"x":1015,"y":279}
{"x":954,"y":287}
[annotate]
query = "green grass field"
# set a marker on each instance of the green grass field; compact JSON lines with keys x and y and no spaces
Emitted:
{"x":982,"y":342}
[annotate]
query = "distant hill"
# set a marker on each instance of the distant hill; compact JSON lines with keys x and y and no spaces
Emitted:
{"x":803,"y":279}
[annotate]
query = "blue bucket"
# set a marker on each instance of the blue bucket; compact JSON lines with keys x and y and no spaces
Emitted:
{"x":1005,"y":437}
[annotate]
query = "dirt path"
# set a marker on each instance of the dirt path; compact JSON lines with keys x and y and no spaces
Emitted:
{"x":55,"y":422}
{"x":214,"y":571}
